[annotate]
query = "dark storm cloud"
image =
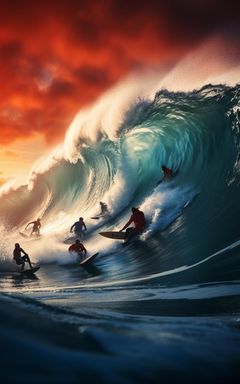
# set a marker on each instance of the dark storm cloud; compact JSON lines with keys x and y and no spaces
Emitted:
{"x":61,"y":55}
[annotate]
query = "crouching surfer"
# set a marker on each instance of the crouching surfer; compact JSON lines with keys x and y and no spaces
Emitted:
{"x":104,"y":209}
{"x":167,"y":173}
{"x":19,"y":259}
{"x":79,"y":227}
{"x":138,"y":219}
{"x":36,"y":227}
{"x":78,"y":248}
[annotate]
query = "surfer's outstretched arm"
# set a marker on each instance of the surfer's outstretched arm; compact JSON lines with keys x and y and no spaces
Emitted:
{"x":32,"y":222}
{"x":127,"y":224}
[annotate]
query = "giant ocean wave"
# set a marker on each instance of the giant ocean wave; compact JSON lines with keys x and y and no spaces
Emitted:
{"x":156,"y":299}
{"x":195,"y":133}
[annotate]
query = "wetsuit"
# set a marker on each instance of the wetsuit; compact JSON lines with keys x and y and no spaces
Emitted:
{"x":36,"y":227}
{"x":20,"y":260}
{"x":79,"y":228}
{"x":168,"y":173}
{"x":77,"y":247}
{"x":138,"y":219}
{"x":104,"y":208}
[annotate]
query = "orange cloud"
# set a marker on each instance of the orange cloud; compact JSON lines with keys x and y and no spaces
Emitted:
{"x":10,"y":154}
{"x":2,"y":181}
{"x":54,"y":61}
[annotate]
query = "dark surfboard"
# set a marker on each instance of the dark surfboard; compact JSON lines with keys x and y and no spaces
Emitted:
{"x":30,"y":271}
{"x":117,"y":235}
{"x":89,"y":259}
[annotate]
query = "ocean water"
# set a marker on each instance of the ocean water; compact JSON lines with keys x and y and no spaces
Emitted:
{"x":165,"y":307}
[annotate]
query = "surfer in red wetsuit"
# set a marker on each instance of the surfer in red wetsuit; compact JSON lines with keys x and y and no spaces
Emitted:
{"x":78,"y":248}
{"x":138,"y":219}
{"x":168,"y":173}
{"x":20,"y":260}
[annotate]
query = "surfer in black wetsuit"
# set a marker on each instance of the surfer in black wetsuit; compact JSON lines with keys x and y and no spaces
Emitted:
{"x":104,"y":208}
{"x":79,"y":227}
{"x":20,"y":260}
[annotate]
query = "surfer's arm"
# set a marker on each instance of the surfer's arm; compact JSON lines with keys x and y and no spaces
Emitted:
{"x":23,"y":252}
{"x":32,"y":222}
{"x":84,"y":226}
{"x":71,"y":229}
{"x":84,"y":249}
{"x":127,"y":224}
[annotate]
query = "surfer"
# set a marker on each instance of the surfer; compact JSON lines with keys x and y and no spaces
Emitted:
{"x":139,"y":221}
{"x":78,"y":248}
{"x":104,"y":208}
{"x":79,"y":227}
{"x":20,"y":260}
{"x":36,"y":227}
{"x":168,"y":173}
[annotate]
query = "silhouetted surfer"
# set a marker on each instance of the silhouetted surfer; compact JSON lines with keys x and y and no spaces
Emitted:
{"x":167,"y":172}
{"x":20,"y":260}
{"x":78,"y":248}
{"x":104,"y":208}
{"x":79,"y":227}
{"x":36,"y":227}
{"x":138,"y":219}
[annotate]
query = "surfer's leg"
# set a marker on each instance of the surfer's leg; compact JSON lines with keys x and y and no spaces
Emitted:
{"x":80,"y":257}
{"x":131,"y":233}
{"x":129,"y":230}
{"x":23,"y":265}
{"x":29,"y":262}
{"x":27,"y":259}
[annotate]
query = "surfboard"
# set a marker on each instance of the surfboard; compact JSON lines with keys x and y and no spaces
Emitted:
{"x":114,"y":235}
{"x":24,"y":235}
{"x":97,"y":217}
{"x":89,"y":259}
{"x":30,"y":271}
{"x":32,"y":237}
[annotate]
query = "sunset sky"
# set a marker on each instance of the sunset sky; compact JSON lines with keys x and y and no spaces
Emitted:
{"x":59,"y":56}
